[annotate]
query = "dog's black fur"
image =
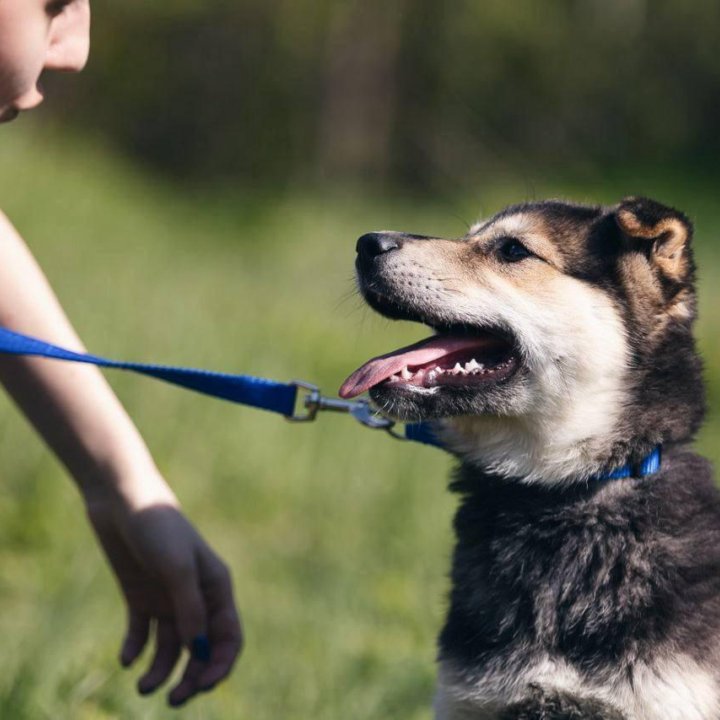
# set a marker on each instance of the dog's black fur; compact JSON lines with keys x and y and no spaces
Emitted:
{"x":603,"y":574}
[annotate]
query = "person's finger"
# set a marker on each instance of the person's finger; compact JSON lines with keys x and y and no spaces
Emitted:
{"x":167,"y":652}
{"x":188,"y":685}
{"x":223,"y":621}
{"x":212,"y":658}
{"x":224,"y":655}
{"x":189,"y":606}
{"x":135,"y":637}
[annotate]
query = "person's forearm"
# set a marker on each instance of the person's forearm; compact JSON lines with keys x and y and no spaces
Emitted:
{"x":71,"y":405}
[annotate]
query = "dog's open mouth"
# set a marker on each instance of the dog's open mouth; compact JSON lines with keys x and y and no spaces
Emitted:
{"x":449,"y":359}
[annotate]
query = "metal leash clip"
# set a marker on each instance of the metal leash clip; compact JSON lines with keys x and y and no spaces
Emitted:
{"x":315,"y":402}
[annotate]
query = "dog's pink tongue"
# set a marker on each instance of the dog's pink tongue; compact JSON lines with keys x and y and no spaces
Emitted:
{"x":385,"y":366}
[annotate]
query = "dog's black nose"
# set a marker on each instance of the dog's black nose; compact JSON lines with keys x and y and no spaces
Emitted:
{"x":377,"y":243}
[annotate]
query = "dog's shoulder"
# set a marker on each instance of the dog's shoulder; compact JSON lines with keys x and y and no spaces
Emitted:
{"x":608,"y":575}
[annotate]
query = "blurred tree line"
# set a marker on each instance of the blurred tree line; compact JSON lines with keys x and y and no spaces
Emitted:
{"x":401,"y":91}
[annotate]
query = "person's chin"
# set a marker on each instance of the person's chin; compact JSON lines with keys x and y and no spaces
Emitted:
{"x":8,"y":114}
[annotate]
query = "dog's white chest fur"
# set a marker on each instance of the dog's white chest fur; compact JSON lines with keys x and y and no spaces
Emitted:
{"x":673,"y":689}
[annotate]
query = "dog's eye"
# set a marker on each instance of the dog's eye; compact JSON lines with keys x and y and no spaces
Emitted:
{"x":512,"y":250}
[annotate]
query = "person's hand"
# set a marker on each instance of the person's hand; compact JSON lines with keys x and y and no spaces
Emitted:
{"x":175,"y":587}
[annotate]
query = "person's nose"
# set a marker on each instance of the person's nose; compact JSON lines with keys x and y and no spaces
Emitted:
{"x":69,"y":43}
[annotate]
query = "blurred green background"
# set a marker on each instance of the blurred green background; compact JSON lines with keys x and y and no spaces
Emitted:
{"x":194,"y":198}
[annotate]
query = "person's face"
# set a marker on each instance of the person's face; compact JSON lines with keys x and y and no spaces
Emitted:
{"x":37,"y":35}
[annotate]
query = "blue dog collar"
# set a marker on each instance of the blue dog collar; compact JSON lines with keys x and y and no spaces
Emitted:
{"x":649,"y":466}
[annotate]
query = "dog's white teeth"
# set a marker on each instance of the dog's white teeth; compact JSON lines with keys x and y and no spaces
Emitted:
{"x":474,"y":367}
{"x":432,"y":375}
{"x":394,"y":378}
{"x":457,"y":369}
{"x":406,"y":374}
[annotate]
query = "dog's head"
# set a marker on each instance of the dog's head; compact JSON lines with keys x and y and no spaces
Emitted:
{"x":562,"y":336}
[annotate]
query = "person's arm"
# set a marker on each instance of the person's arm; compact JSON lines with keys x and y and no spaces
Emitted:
{"x":169,"y":576}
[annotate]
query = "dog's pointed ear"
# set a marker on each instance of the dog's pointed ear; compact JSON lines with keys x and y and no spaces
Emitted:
{"x":663,"y":232}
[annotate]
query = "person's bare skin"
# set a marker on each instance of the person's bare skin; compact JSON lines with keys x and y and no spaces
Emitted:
{"x":176,"y":588}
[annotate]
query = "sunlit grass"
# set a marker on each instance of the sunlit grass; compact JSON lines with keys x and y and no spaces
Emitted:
{"x":338,"y":538}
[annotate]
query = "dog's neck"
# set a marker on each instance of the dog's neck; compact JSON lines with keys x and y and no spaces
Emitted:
{"x":593,"y":427}
{"x":532,"y":453}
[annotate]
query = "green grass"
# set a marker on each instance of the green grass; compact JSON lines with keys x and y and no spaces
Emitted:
{"x":338,"y":538}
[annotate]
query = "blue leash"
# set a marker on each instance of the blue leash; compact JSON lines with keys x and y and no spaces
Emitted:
{"x":269,"y":395}
{"x":277,"y":397}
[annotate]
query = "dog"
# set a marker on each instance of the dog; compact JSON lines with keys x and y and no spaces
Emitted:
{"x":585,"y":578}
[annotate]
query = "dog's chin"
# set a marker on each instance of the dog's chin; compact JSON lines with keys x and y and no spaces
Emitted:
{"x":409,"y":403}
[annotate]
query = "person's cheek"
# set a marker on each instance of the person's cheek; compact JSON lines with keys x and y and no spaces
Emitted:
{"x":10,"y":86}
